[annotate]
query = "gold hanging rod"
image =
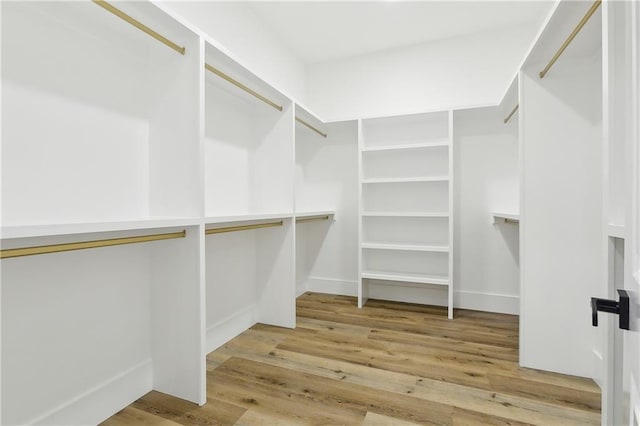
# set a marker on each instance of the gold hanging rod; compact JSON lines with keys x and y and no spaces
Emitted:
{"x":56,"y":248}
{"x":312,"y":218}
{"x":242,"y":86}
{"x":506,"y":120}
{"x":139,"y":25}
{"x":304,"y":123}
{"x":573,"y":34}
{"x":242,"y":227}
{"x":514,"y":221}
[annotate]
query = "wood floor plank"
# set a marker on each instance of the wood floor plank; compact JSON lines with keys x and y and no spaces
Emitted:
{"x":131,"y":416}
{"x":388,"y":363}
{"x":213,"y":413}
{"x":327,"y":393}
{"x":373,"y":419}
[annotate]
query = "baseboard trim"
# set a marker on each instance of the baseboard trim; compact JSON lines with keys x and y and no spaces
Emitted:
{"x":331,"y":286}
{"x":226,"y":329}
{"x":488,"y":302}
{"x":417,"y":293}
{"x":103,"y":400}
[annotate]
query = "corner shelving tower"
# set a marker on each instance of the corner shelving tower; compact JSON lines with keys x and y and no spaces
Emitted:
{"x":405,"y":206}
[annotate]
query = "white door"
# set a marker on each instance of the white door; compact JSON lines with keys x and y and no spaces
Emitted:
{"x":621,"y":348}
{"x":631,"y":339}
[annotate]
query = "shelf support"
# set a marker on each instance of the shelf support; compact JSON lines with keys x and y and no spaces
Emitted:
{"x":242,"y":227}
{"x":573,"y":35}
{"x":57,"y":248}
{"x":139,"y":25}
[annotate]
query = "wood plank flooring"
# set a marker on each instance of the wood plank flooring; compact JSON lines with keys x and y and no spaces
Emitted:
{"x":386,"y":364}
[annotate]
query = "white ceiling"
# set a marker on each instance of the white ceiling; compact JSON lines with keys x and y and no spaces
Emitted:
{"x":320,"y":31}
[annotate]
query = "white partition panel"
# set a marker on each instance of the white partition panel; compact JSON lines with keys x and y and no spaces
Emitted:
{"x":561,"y":207}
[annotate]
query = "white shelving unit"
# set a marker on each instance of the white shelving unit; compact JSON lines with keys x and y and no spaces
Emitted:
{"x":100,"y":140}
{"x":406,"y":203}
{"x":249,"y":166}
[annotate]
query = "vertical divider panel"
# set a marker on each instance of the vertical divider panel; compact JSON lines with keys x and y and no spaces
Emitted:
{"x":451,"y":217}
{"x":276,"y":275}
{"x":176,"y":317}
{"x":363,"y":294}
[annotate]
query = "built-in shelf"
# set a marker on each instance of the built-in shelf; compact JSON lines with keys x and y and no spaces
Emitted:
{"x":405,"y":247}
{"x":405,"y":277}
{"x":616,"y":230}
{"x":246,"y":218}
{"x":506,"y":217}
{"x":408,"y":179}
{"x":421,"y":145}
{"x":48,"y":230}
{"x":405,"y":214}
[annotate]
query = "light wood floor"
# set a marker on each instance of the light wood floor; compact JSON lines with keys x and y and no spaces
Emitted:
{"x":387,"y":364}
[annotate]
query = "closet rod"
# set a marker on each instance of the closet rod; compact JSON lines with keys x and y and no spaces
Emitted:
{"x":506,"y":120}
{"x":242,"y":227}
{"x":56,"y":248}
{"x":573,"y":34}
{"x":514,"y":221}
{"x":301,"y":121}
{"x":242,"y":86}
{"x":312,"y":218}
{"x":139,"y":25}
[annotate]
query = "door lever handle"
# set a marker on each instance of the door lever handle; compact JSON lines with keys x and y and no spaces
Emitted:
{"x":620,"y":307}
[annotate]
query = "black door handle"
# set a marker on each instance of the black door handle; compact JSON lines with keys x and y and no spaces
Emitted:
{"x":606,"y":305}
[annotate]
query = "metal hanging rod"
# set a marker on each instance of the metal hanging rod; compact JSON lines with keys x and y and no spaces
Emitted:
{"x":242,"y":86}
{"x":304,"y":123}
{"x":139,"y":25}
{"x":513,"y":111}
{"x":56,"y":248}
{"x":514,"y":221}
{"x":573,"y":34}
{"x":242,"y":227}
{"x":312,"y":218}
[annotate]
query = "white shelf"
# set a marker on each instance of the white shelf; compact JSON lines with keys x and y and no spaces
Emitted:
{"x":46,"y":230}
{"x":405,"y":214}
{"x":405,"y":277}
{"x":302,"y":215}
{"x":431,"y":144}
{"x":616,"y":230}
{"x":506,"y":217}
{"x":405,"y":247}
{"x":408,"y":179}
{"x":211,"y":220}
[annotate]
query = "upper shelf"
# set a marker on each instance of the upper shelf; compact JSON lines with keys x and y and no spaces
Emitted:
{"x":47,"y":230}
{"x":408,"y":179}
{"x":422,"y":145}
{"x":218,"y":220}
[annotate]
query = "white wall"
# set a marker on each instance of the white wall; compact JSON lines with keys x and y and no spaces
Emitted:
{"x":236,"y":27}
{"x":463,"y":71}
{"x":486,"y":271}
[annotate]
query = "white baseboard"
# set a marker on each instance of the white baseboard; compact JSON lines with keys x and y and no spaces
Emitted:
{"x":103,"y":400}
{"x":226,"y":329}
{"x":331,"y":286}
{"x":416,"y":293}
{"x":488,"y":302}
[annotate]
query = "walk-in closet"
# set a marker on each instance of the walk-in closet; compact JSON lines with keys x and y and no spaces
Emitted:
{"x":320,"y":212}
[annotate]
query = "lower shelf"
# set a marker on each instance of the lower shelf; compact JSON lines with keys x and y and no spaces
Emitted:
{"x":405,"y":277}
